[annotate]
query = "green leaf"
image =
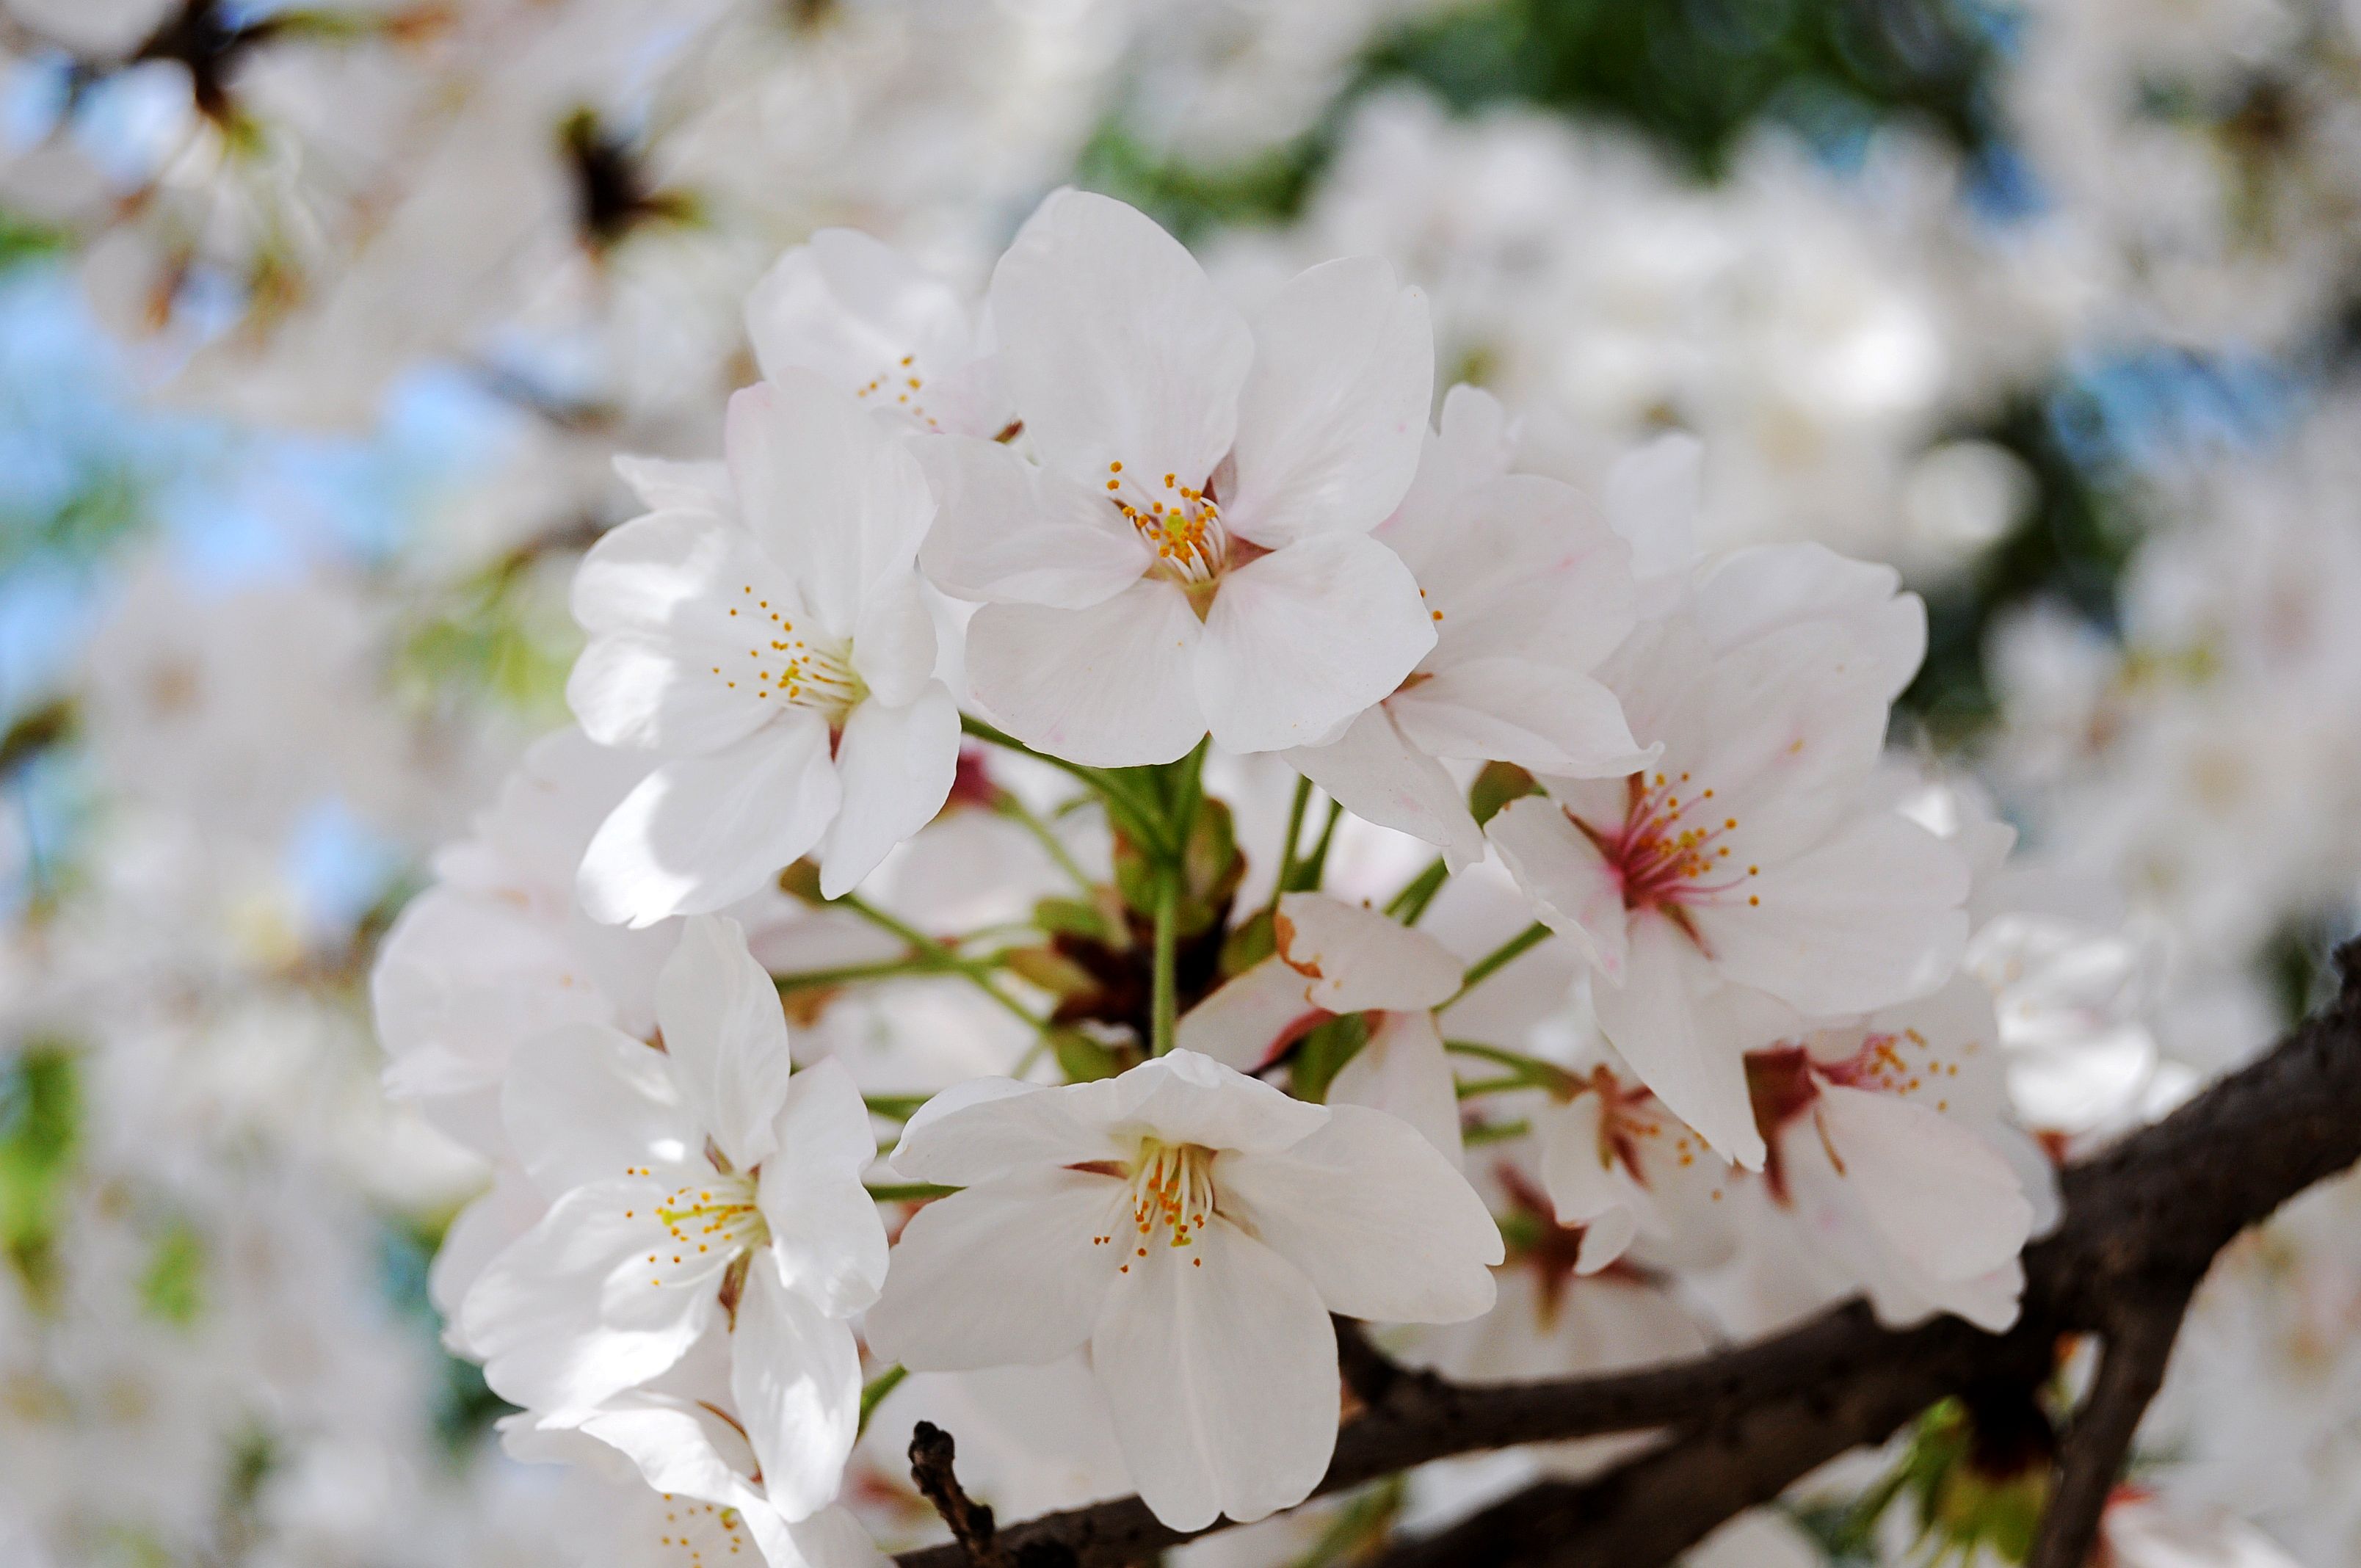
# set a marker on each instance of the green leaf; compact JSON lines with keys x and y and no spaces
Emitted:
{"x":173,"y":1290}
{"x":40,"y":1134}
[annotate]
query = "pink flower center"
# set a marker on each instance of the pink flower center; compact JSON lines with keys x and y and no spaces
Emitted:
{"x":1675,"y":846}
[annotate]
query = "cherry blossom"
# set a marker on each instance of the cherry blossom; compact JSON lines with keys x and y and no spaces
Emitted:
{"x":1751,"y":874}
{"x":1334,"y":958}
{"x":1193,"y":549}
{"x":1530,"y":590}
{"x":691,"y":1185}
{"x":1194,"y":1227}
{"x":767,"y":641}
{"x":1888,"y":1144}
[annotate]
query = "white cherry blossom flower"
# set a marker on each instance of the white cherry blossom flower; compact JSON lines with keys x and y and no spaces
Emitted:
{"x":1749,"y":875}
{"x":696,"y":1500}
{"x":1888,"y":1145}
{"x":768,"y":641}
{"x":689,"y":1186}
{"x":1623,"y":1169}
{"x":1196,"y":1228}
{"x":1530,"y":590}
{"x":863,"y":316}
{"x":1331,"y":959}
{"x":1193,"y":549}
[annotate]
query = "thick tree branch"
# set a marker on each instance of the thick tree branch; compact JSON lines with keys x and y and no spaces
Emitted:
{"x":2143,"y":1221}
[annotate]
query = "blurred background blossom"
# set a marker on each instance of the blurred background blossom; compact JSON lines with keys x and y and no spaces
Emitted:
{"x":321,"y":325}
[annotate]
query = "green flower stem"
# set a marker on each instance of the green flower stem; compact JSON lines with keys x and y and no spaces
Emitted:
{"x":1495,"y":1132}
{"x":929,"y":954}
{"x":909,"y":1191}
{"x":1524,"y":1071}
{"x":1500,"y":958}
{"x":846,"y":974}
{"x":1165,"y":1021}
{"x":1411,"y":903}
{"x":873,"y":1392}
{"x":894,"y":1107}
{"x":1016,"y":811}
{"x":1314,"y":866}
{"x":1287,"y":845}
{"x":1138,"y":815}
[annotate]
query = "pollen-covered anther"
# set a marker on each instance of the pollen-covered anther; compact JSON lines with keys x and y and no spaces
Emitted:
{"x":1190,"y":544}
{"x":1171,"y":1192}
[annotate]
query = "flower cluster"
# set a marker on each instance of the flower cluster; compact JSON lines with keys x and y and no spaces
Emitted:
{"x":1115,"y":814}
{"x":1675,"y":975}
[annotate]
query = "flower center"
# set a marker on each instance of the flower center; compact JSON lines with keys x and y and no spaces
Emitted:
{"x":899,"y":385}
{"x":1183,"y":525}
{"x":708,"y":1223}
{"x":1675,"y":847}
{"x":699,"y":1535}
{"x":801,"y":672}
{"x":1171,"y":1199}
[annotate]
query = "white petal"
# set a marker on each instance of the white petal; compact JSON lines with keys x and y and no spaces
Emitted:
{"x":1383,"y":1225}
{"x":1748,"y":593}
{"x":1184,"y":1098}
{"x":725,"y":1036}
{"x":894,"y":766}
{"x":1513,"y":710}
{"x":703,"y":832}
{"x":849,"y":308}
{"x":585,"y":1104}
{"x":1652,"y":498}
{"x":676,"y":572}
{"x":991,"y":1126}
{"x":833,"y":495}
{"x":1573,"y":889}
{"x":681,"y":1447}
{"x":1115,"y":347}
{"x":1583,"y":1180}
{"x":1358,"y":958}
{"x":1008,"y":532}
{"x":894,"y":647}
{"x":1012,"y":1270}
{"x":664,"y":485}
{"x":1219,"y":1365}
{"x":1872,"y":916}
{"x":1300,"y":640}
{"x":1403,"y":1071}
{"x":795,"y":1375}
{"x":1381,"y":777}
{"x":668,"y":666}
{"x":566,"y":1316}
{"x":1112,"y":685}
{"x":1250,"y":1018}
{"x":1941,"y":1197}
{"x":481,"y":1231}
{"x":1530,"y":572}
{"x":1332,"y":418}
{"x":1652,"y":1019}
{"x":826,"y":1238}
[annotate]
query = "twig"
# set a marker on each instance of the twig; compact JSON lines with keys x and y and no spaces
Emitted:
{"x":931,"y":1455}
{"x":2130,"y":1370}
{"x":2143,"y":1221}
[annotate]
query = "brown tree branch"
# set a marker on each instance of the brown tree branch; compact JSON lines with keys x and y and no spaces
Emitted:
{"x":2143,"y":1221}
{"x":2130,"y":1372}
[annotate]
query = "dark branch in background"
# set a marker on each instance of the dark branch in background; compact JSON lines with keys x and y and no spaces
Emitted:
{"x":2143,"y":1221}
{"x":931,"y":1454}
